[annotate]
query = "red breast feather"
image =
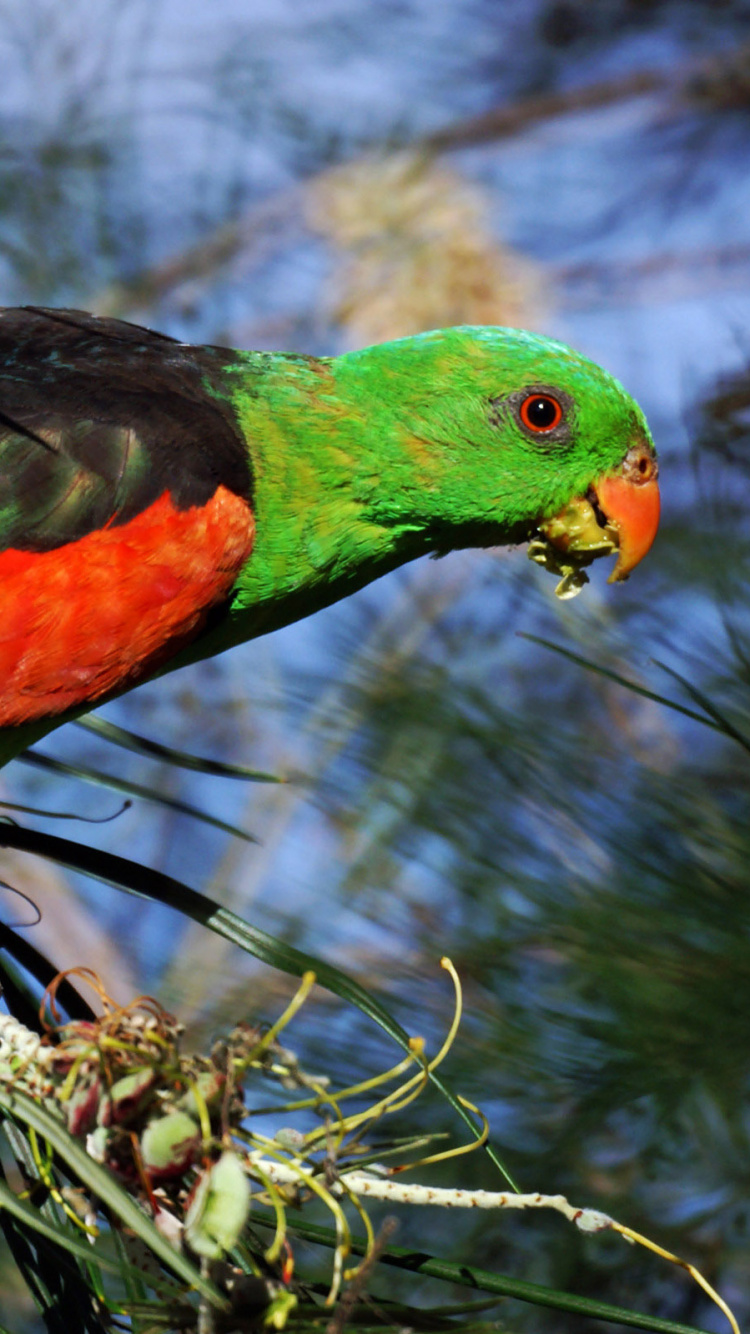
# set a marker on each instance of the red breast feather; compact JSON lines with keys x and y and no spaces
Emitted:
{"x":97,"y":615}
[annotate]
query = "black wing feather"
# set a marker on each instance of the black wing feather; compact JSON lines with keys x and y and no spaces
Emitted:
{"x":99,"y":417}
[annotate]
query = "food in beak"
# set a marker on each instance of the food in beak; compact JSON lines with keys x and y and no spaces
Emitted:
{"x":620,"y":512}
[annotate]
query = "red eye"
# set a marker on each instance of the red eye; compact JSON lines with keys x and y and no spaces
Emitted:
{"x":540,"y":412}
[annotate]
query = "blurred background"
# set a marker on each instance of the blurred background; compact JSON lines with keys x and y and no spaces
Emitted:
{"x":316,"y":175}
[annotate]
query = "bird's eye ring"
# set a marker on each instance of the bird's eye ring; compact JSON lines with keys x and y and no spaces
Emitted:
{"x":540,"y":413}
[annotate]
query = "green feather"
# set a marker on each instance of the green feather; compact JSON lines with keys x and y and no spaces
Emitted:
{"x":369,"y":460}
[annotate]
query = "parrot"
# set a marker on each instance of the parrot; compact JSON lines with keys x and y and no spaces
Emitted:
{"x":160,"y":502}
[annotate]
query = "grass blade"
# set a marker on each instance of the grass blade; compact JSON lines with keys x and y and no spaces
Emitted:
{"x":719,"y":718}
{"x":621,"y":680}
{"x":54,"y":1232}
{"x":55,"y":1281}
{"x":33,"y":962}
{"x":418,"y":1262}
{"x":711,"y":717}
{"x":37,"y":760}
{"x":141,"y":745}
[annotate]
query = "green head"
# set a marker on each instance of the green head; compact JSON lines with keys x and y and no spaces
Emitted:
{"x":459,"y":437}
{"x":487,"y":430}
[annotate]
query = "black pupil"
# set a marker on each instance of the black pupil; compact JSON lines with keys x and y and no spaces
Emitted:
{"x":542,"y":413}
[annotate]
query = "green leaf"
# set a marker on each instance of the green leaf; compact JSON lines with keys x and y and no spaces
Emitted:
{"x":119,"y":736}
{"x":58,"y":1285}
{"x":60,"y":1236}
{"x":621,"y":680}
{"x":35,"y":963}
{"x":47,"y":762}
{"x":711,"y":717}
{"x":418,"y":1262}
{"x":720,"y":720}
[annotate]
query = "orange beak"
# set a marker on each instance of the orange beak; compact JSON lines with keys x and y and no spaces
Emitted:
{"x":629,"y":500}
{"x":620,"y":512}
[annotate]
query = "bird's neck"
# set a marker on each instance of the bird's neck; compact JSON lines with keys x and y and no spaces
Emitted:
{"x":332,"y":480}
